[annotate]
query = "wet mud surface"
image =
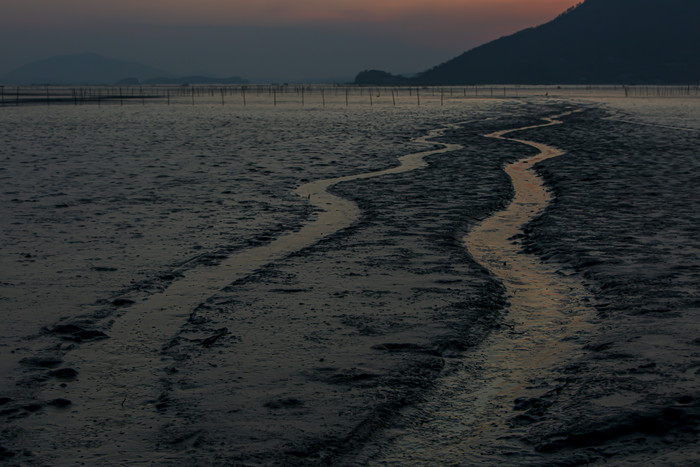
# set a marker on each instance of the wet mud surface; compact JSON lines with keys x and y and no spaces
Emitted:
{"x":315,"y":357}
{"x":626,"y":217}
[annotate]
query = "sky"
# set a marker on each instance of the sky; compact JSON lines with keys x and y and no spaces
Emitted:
{"x":265,"y":40}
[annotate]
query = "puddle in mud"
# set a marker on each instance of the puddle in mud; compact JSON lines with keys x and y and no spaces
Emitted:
{"x":471,"y":416}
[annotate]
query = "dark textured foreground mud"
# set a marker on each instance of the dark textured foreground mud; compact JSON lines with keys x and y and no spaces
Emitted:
{"x":299,"y":362}
{"x":626,"y":216}
{"x":309,"y":359}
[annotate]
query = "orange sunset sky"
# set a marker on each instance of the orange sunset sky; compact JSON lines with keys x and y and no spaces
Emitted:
{"x":402,"y":35}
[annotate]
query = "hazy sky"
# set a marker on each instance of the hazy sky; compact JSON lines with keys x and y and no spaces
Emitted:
{"x":265,"y":40}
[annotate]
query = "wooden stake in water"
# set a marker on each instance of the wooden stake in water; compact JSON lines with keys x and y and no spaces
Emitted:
{"x":243,"y":91}
{"x":393,"y":99}
{"x":346,"y":98}
{"x":418,"y":96}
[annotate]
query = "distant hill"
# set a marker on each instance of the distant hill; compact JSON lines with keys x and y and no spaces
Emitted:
{"x":598,"y":41}
{"x":87,"y":68}
{"x":381,"y":78}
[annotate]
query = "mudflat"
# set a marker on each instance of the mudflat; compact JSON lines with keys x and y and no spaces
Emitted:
{"x":371,"y":344}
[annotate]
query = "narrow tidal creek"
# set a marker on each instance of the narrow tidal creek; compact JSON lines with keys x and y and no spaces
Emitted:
{"x":469,"y":418}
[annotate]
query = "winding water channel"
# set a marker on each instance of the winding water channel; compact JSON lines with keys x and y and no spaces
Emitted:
{"x":467,"y":420}
{"x":119,"y":382}
{"x":464,"y":420}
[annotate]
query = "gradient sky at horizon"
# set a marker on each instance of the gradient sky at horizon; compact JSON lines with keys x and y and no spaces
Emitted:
{"x":265,"y":39}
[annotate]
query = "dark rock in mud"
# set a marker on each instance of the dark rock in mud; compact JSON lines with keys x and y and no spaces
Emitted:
{"x":211,"y":340}
{"x":9,"y":412}
{"x":42,"y":362}
{"x":32,"y":407}
{"x":65,"y":329}
{"x":406,"y":347}
{"x":90,"y":334}
{"x":288,"y":403}
{"x":655,"y":424}
{"x":59,"y":403}
{"x":122,"y":302}
{"x":103,"y":269}
{"x":65,"y":374}
{"x":76,"y":333}
{"x":163,"y":402}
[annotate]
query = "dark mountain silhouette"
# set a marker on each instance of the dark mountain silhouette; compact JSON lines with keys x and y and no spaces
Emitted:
{"x":87,"y":68}
{"x":381,"y":78}
{"x":598,"y":41}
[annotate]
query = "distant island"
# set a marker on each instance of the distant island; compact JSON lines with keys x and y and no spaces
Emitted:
{"x":91,"y":68}
{"x":595,"y":42}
